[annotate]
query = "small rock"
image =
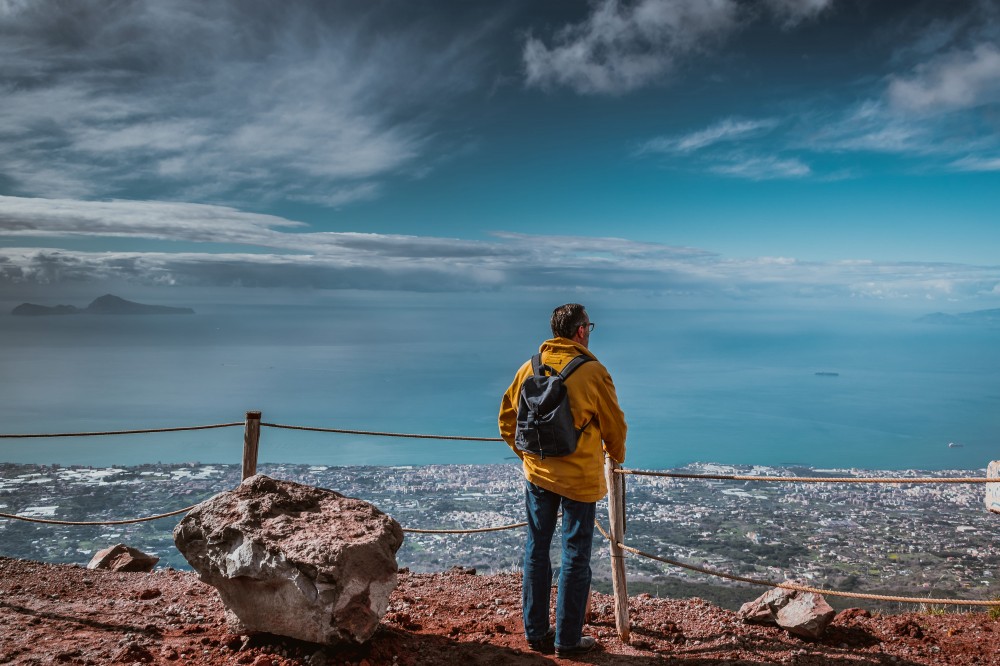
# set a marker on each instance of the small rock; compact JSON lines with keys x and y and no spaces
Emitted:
{"x":122,"y":558}
{"x":801,"y":613}
{"x":853,"y":613}
{"x":134,"y":652}
{"x":909,"y":628}
{"x":806,"y":615}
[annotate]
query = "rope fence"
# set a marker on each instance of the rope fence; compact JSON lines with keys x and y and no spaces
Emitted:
{"x":341,"y":431}
{"x":614,"y":475}
{"x":476,"y":530}
{"x":793,"y":586}
{"x":49,"y":521}
{"x":812,"y":479}
{"x":119,"y":432}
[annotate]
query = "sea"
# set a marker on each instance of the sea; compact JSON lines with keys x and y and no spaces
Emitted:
{"x":740,"y":384}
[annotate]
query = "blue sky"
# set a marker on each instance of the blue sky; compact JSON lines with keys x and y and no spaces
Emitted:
{"x":804,"y":151}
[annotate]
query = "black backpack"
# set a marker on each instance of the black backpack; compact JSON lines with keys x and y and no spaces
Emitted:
{"x":544,"y":421}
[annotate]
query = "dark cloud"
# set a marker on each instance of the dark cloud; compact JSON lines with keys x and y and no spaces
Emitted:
{"x":287,"y":255}
{"x":214,"y":100}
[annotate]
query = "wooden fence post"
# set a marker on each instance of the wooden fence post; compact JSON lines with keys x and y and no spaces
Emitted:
{"x":251,"y":439}
{"x":616,"y":515}
{"x":993,"y":489}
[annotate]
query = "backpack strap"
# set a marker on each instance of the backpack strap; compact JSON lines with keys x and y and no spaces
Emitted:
{"x":536,"y":364}
{"x":574,"y":364}
{"x":539,"y":368}
{"x":568,"y":370}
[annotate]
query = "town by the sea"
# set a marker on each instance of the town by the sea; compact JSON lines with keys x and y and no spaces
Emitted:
{"x":920,"y":540}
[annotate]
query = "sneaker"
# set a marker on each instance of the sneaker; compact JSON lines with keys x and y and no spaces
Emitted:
{"x":586,"y":644}
{"x":546,"y":644}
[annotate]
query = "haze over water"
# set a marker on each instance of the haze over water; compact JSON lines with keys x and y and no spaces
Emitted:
{"x":735,"y":386}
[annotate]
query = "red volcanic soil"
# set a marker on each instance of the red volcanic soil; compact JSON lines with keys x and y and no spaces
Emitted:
{"x":65,"y":614}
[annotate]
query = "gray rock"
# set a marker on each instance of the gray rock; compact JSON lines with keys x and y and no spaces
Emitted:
{"x":764,"y":609}
{"x":122,"y":558}
{"x":807,"y":614}
{"x":294,"y":560}
{"x":801,"y":613}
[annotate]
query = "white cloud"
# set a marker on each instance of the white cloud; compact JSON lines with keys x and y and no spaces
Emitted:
{"x":620,"y":47}
{"x":159,"y":220}
{"x":941,"y":111}
{"x":794,"y":12}
{"x":705,"y":145}
{"x":764,"y":168}
{"x":222,"y":101}
{"x":955,"y":80}
{"x":877,"y":127}
{"x":340,"y":196}
{"x":729,"y":129}
{"x":977,"y":164}
{"x":274,"y":252}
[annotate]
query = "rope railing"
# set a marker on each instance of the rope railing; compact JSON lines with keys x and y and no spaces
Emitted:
{"x":128,"y":521}
{"x":119,"y":432}
{"x":50,"y":521}
{"x":375,"y":433}
{"x":252,"y":425}
{"x":474,"y":530}
{"x":812,"y":479}
{"x":794,"y":586}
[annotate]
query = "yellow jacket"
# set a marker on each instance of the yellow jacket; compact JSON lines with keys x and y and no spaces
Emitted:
{"x":580,"y":475}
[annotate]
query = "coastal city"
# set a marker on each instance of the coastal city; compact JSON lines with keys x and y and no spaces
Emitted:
{"x":904,"y":539}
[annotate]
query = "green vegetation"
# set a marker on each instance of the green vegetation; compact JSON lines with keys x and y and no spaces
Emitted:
{"x":933,"y":609}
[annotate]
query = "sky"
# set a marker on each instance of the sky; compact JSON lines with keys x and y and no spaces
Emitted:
{"x":700,"y":151}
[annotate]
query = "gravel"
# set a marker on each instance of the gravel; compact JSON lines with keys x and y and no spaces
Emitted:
{"x":65,"y":614}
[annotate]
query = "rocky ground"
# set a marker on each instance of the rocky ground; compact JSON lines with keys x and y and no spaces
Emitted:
{"x":62,"y":614}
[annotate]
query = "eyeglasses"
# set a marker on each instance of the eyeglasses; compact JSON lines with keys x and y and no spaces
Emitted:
{"x":589,"y":327}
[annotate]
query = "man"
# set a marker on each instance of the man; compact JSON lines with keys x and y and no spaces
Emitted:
{"x":573,"y":483}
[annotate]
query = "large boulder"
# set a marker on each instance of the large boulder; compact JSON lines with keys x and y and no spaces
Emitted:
{"x":294,"y":560}
{"x":802,"y":613}
{"x":123,"y":558}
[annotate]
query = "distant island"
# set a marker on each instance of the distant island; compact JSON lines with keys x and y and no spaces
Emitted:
{"x":105,"y":305}
{"x":975,"y":318}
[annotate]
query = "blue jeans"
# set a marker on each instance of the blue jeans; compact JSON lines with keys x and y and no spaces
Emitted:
{"x":574,"y":571}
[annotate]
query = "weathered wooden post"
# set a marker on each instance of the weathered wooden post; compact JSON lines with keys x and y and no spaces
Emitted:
{"x":616,"y":518}
{"x":251,"y":439}
{"x":993,"y":489}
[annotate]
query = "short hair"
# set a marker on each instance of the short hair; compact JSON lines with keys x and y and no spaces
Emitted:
{"x":567,"y":318}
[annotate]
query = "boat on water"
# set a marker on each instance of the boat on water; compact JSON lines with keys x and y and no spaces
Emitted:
{"x":827,"y":374}
{"x":954,"y":445}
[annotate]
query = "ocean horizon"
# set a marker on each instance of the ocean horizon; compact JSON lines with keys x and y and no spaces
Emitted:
{"x":836,"y":389}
